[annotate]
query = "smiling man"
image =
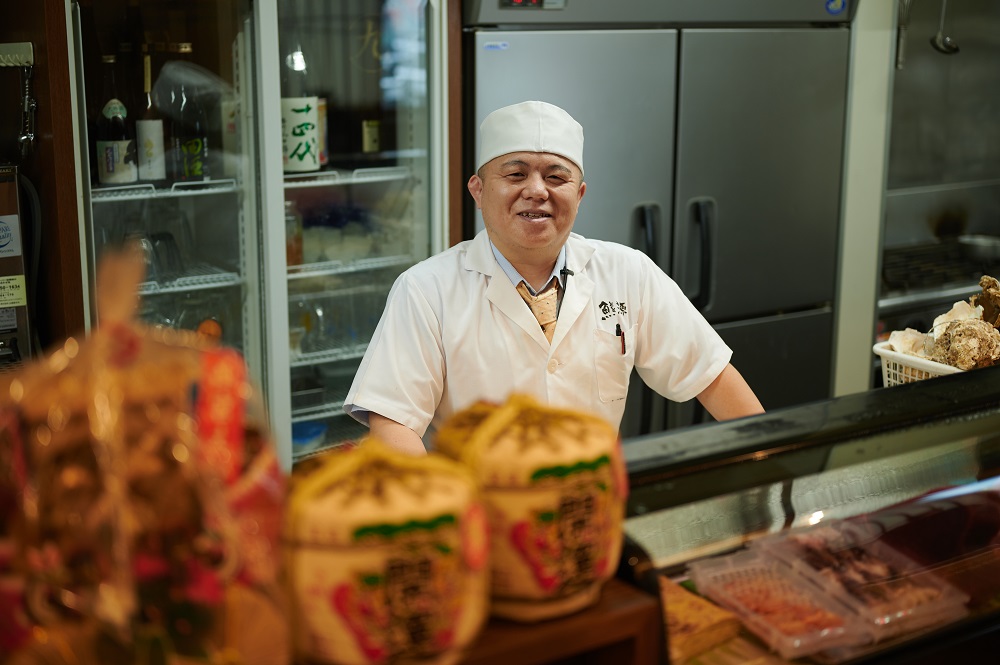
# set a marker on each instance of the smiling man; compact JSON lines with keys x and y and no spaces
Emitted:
{"x":528,"y":306}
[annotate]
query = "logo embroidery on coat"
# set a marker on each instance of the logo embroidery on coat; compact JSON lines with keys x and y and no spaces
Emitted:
{"x":611,"y":309}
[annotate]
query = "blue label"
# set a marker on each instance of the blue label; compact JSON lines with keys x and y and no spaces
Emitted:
{"x":835,"y":7}
{"x":496,"y":46}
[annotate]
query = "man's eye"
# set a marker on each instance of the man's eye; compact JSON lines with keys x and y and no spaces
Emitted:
{"x":515,"y":174}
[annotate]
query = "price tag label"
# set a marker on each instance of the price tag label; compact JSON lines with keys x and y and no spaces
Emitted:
{"x":12,"y":291}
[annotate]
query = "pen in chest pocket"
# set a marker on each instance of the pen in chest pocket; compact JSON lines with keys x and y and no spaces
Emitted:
{"x":620,"y":333}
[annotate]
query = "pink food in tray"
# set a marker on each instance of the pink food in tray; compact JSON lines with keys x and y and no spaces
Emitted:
{"x":794,"y":617}
{"x":780,"y":607}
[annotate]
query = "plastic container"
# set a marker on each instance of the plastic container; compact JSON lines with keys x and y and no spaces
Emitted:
{"x":900,"y":368}
{"x":887,"y":590}
{"x":308,"y":436}
{"x":793,"y":617}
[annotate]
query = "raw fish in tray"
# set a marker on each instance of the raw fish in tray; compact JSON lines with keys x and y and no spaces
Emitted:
{"x":792,"y":616}
{"x":954,"y":532}
{"x":861,"y":573}
{"x":882,"y":585}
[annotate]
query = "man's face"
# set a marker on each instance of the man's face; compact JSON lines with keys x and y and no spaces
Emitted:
{"x":529,"y":202}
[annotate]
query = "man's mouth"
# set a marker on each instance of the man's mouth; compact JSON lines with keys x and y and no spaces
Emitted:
{"x":534,"y":215}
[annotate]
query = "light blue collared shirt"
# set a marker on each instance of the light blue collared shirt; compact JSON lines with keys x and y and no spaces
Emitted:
{"x":515,"y":276}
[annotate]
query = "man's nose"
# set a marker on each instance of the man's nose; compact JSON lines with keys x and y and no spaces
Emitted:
{"x":534,"y":187}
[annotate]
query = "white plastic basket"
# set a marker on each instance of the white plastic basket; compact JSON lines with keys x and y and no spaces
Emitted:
{"x":900,"y":368}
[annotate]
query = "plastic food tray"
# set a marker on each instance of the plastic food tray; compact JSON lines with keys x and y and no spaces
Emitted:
{"x":900,"y":368}
{"x":792,"y":617}
{"x":887,"y":590}
{"x":976,"y":573}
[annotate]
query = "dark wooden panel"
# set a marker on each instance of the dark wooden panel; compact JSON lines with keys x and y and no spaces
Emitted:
{"x":50,"y":167}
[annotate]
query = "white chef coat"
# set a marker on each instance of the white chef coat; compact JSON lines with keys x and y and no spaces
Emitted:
{"x":455,"y":331}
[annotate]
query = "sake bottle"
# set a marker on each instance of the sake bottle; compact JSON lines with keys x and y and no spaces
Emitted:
{"x":114,"y":146}
{"x":149,"y":130}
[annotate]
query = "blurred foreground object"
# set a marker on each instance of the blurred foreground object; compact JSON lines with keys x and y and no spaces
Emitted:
{"x":144,"y":499}
{"x":694,"y":625}
{"x":386,"y":558}
{"x":555,"y":485}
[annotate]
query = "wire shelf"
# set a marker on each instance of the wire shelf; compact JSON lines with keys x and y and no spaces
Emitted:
{"x":333,"y":354}
{"x":200,"y":276}
{"x":328,"y":410}
{"x":340,"y":267}
{"x":145,"y":191}
{"x":335,"y":177}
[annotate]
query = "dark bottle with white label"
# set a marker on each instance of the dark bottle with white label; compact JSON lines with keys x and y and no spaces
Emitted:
{"x":189,"y":127}
{"x":114,"y":144}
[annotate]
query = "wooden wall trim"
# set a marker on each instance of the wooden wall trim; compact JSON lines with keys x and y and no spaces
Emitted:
{"x":456,"y":174}
{"x":63,"y":284}
{"x":50,"y":167}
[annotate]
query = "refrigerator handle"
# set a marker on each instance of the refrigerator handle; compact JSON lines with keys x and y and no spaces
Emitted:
{"x":646,"y":214}
{"x":647,"y":230}
{"x":647,"y":226}
{"x":701,"y":213}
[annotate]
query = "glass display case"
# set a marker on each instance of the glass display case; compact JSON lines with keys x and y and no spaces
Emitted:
{"x":356,"y":107}
{"x":907,"y":478}
{"x":165,"y":101}
{"x":278,"y":163}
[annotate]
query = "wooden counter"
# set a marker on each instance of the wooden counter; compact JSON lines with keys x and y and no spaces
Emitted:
{"x":624,"y":628}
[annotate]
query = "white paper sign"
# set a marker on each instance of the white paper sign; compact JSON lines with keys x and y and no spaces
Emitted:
{"x":12,"y":291}
{"x":10,"y":236}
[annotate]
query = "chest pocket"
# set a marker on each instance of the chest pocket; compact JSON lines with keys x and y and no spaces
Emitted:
{"x":613,"y":367}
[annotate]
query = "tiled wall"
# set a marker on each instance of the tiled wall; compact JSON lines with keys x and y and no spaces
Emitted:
{"x":944,"y":155}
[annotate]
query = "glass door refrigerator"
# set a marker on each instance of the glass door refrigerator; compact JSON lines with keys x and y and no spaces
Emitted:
{"x":165,"y":96}
{"x":310,"y":173}
{"x":355,"y":190}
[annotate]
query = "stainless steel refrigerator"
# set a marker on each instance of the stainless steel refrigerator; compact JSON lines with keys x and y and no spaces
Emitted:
{"x":714,"y":136}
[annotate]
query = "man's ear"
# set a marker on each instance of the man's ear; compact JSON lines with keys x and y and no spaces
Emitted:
{"x":475,"y":186}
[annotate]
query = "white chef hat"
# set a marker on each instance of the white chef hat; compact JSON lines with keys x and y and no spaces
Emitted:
{"x":530,"y":127}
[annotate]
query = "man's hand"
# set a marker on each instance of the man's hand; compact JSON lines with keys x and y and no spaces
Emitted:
{"x":396,"y":436}
{"x":729,"y":396}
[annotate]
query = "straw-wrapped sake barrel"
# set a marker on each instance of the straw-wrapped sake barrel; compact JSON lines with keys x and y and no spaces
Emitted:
{"x":387,"y":559}
{"x":554,"y":484}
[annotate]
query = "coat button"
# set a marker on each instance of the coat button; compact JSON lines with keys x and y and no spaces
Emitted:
{"x":553,"y":366}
